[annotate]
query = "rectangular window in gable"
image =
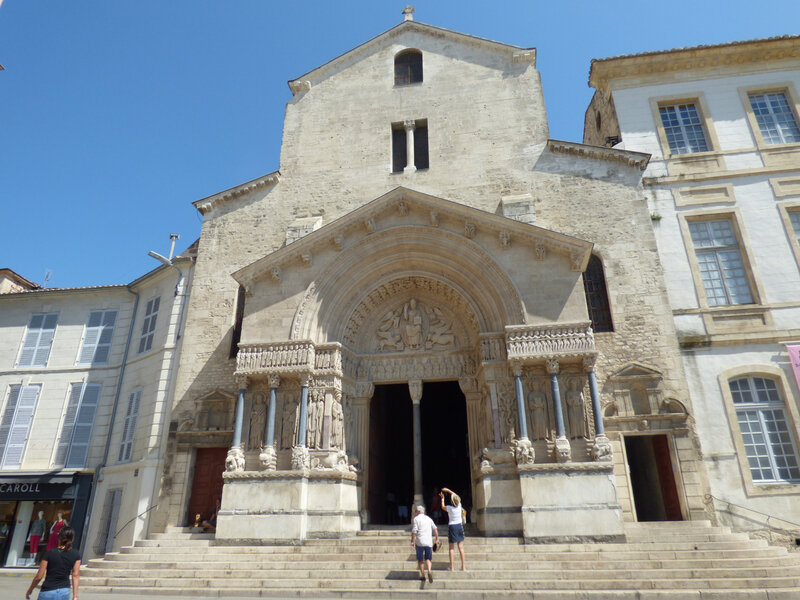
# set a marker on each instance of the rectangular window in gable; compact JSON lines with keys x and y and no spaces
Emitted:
{"x":38,"y":340}
{"x":15,"y":424}
{"x":96,"y":345}
{"x":410,"y":136}
{"x":149,"y":324}
{"x":683,"y":128}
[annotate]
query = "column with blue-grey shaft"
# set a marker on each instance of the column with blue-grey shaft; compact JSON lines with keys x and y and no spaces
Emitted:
{"x":562,"y":448}
{"x":601,"y":449}
{"x":522,"y":416}
{"x":269,"y":456}
{"x":299,"y":451}
{"x":235,"y":459}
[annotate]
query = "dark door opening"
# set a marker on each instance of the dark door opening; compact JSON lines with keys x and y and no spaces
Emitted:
{"x":445,"y":446}
{"x":655,"y":493}
{"x":207,"y":483}
{"x":391,"y":456}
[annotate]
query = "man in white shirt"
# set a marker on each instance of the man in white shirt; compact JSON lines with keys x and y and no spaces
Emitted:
{"x":422,"y":539}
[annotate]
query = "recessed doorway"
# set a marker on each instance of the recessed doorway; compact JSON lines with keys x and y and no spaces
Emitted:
{"x":655,"y":493}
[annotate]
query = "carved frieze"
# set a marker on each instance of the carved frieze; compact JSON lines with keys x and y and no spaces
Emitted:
{"x":549,"y":341}
{"x":279,"y":357}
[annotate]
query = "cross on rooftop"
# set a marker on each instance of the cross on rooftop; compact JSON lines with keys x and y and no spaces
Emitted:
{"x":408,"y":13}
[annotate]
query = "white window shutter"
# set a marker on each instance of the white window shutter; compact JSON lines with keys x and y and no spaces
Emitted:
{"x":69,"y":424}
{"x":38,"y":339}
{"x":82,"y":432}
{"x":8,"y":417}
{"x":129,"y":429}
{"x":20,"y":427}
{"x":97,"y":339}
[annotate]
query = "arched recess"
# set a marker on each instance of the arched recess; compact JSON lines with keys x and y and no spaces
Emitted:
{"x":451,"y":260}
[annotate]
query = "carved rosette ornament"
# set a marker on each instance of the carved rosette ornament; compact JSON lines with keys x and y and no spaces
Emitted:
{"x":234,"y":462}
{"x":562,"y":450}
{"x":268,"y":458}
{"x":300,"y":458}
{"x":601,"y":449}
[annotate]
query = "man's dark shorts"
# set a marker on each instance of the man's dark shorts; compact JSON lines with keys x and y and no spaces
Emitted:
{"x":424,"y":553}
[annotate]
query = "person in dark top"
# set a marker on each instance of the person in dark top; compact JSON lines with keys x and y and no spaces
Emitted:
{"x":56,"y":567}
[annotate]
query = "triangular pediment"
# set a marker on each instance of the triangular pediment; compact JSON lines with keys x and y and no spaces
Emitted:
{"x":636,"y":371}
{"x":515,"y":53}
{"x":403,"y":207}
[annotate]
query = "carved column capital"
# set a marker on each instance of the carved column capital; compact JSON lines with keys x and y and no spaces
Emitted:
{"x":415,"y":389}
{"x":241,"y":382}
{"x":305,"y":379}
{"x":516,"y":368}
{"x":409,"y":125}
{"x":589,"y":363}
{"x":274,"y":381}
{"x":552,"y":367}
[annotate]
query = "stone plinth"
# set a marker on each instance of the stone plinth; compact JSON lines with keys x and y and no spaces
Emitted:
{"x":570,"y":502}
{"x":288,"y":505}
{"x":499,"y":495}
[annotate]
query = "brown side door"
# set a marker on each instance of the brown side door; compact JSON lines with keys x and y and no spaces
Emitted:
{"x":209,"y":465}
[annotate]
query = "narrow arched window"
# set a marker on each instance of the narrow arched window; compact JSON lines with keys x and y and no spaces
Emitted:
{"x":236,"y":335}
{"x":408,"y":67}
{"x":594,"y":285}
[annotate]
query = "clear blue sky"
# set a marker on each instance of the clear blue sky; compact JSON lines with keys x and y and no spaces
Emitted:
{"x":117,"y":115}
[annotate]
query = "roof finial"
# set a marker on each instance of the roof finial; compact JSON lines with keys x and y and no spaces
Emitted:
{"x":408,"y":13}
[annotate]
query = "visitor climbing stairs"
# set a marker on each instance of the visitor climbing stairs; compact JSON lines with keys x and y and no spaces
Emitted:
{"x":667,"y":561}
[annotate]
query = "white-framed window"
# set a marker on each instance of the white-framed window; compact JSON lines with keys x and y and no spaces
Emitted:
{"x":76,"y":430}
{"x":129,"y":428}
{"x":720,"y":261}
{"x":775,"y":117}
{"x":149,"y":324}
{"x":683,"y":128}
{"x":38,"y":340}
{"x":97,"y":337}
{"x":15,"y":424}
{"x":768,"y":441}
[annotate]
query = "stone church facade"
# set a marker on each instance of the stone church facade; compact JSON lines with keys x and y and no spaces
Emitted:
{"x":403,"y":304}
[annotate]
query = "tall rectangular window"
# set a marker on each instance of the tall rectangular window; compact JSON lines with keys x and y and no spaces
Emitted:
{"x":399,"y":156}
{"x":775,"y":118}
{"x":770,"y":446}
{"x":683,"y":128}
{"x":794,"y":219}
{"x":97,"y":338}
{"x":15,"y":424}
{"x":76,"y":432}
{"x":421,"y":147}
{"x":38,"y":340}
{"x":129,"y":428}
{"x":149,"y":324}
{"x":419,"y":133}
{"x":720,"y":261}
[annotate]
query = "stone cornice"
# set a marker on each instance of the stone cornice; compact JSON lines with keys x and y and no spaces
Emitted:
{"x":516,"y":53}
{"x":632,"y":159}
{"x":697,"y":58}
{"x":206,"y":204}
{"x":416,"y":207}
{"x":323,"y":474}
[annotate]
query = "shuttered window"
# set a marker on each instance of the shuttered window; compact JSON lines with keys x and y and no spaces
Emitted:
{"x":108,"y":525}
{"x":38,"y":339}
{"x":15,"y":424}
{"x":149,"y":324}
{"x":76,"y":432}
{"x":96,"y":345}
{"x":129,"y":428}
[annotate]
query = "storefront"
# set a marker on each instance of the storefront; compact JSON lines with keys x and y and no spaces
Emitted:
{"x":33,"y":509}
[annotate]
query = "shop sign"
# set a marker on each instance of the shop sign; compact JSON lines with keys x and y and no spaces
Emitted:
{"x":34,"y":490}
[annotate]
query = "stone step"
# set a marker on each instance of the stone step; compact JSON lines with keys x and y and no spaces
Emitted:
{"x":404,"y":581}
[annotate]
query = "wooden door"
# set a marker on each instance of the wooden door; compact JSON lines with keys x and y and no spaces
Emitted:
{"x":209,"y":465}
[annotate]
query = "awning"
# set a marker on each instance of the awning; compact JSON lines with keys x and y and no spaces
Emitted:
{"x":45,"y":477}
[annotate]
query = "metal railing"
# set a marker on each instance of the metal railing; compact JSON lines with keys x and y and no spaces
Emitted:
{"x":766,"y":522}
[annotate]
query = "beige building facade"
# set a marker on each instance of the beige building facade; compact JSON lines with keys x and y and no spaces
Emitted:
{"x":430,"y":292}
{"x":722,"y":126}
{"x":85,"y":382}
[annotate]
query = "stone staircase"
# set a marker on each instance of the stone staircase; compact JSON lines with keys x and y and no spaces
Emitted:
{"x":675,"y":561}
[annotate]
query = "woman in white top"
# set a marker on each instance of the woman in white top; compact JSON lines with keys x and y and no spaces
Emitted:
{"x":455,"y":528}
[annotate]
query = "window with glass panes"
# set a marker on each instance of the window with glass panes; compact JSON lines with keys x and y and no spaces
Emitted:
{"x":149,"y":324}
{"x":768,"y":441}
{"x":720,"y":260}
{"x":38,"y":339}
{"x":775,"y":118}
{"x":129,"y":428}
{"x":96,"y":345}
{"x":794,"y":219}
{"x":683,"y":128}
{"x":408,"y":67}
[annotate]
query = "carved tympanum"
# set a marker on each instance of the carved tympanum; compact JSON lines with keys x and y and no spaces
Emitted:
{"x":414,"y":326}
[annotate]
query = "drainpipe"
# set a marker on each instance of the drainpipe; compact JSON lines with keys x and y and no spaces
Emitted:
{"x":111,"y":422}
